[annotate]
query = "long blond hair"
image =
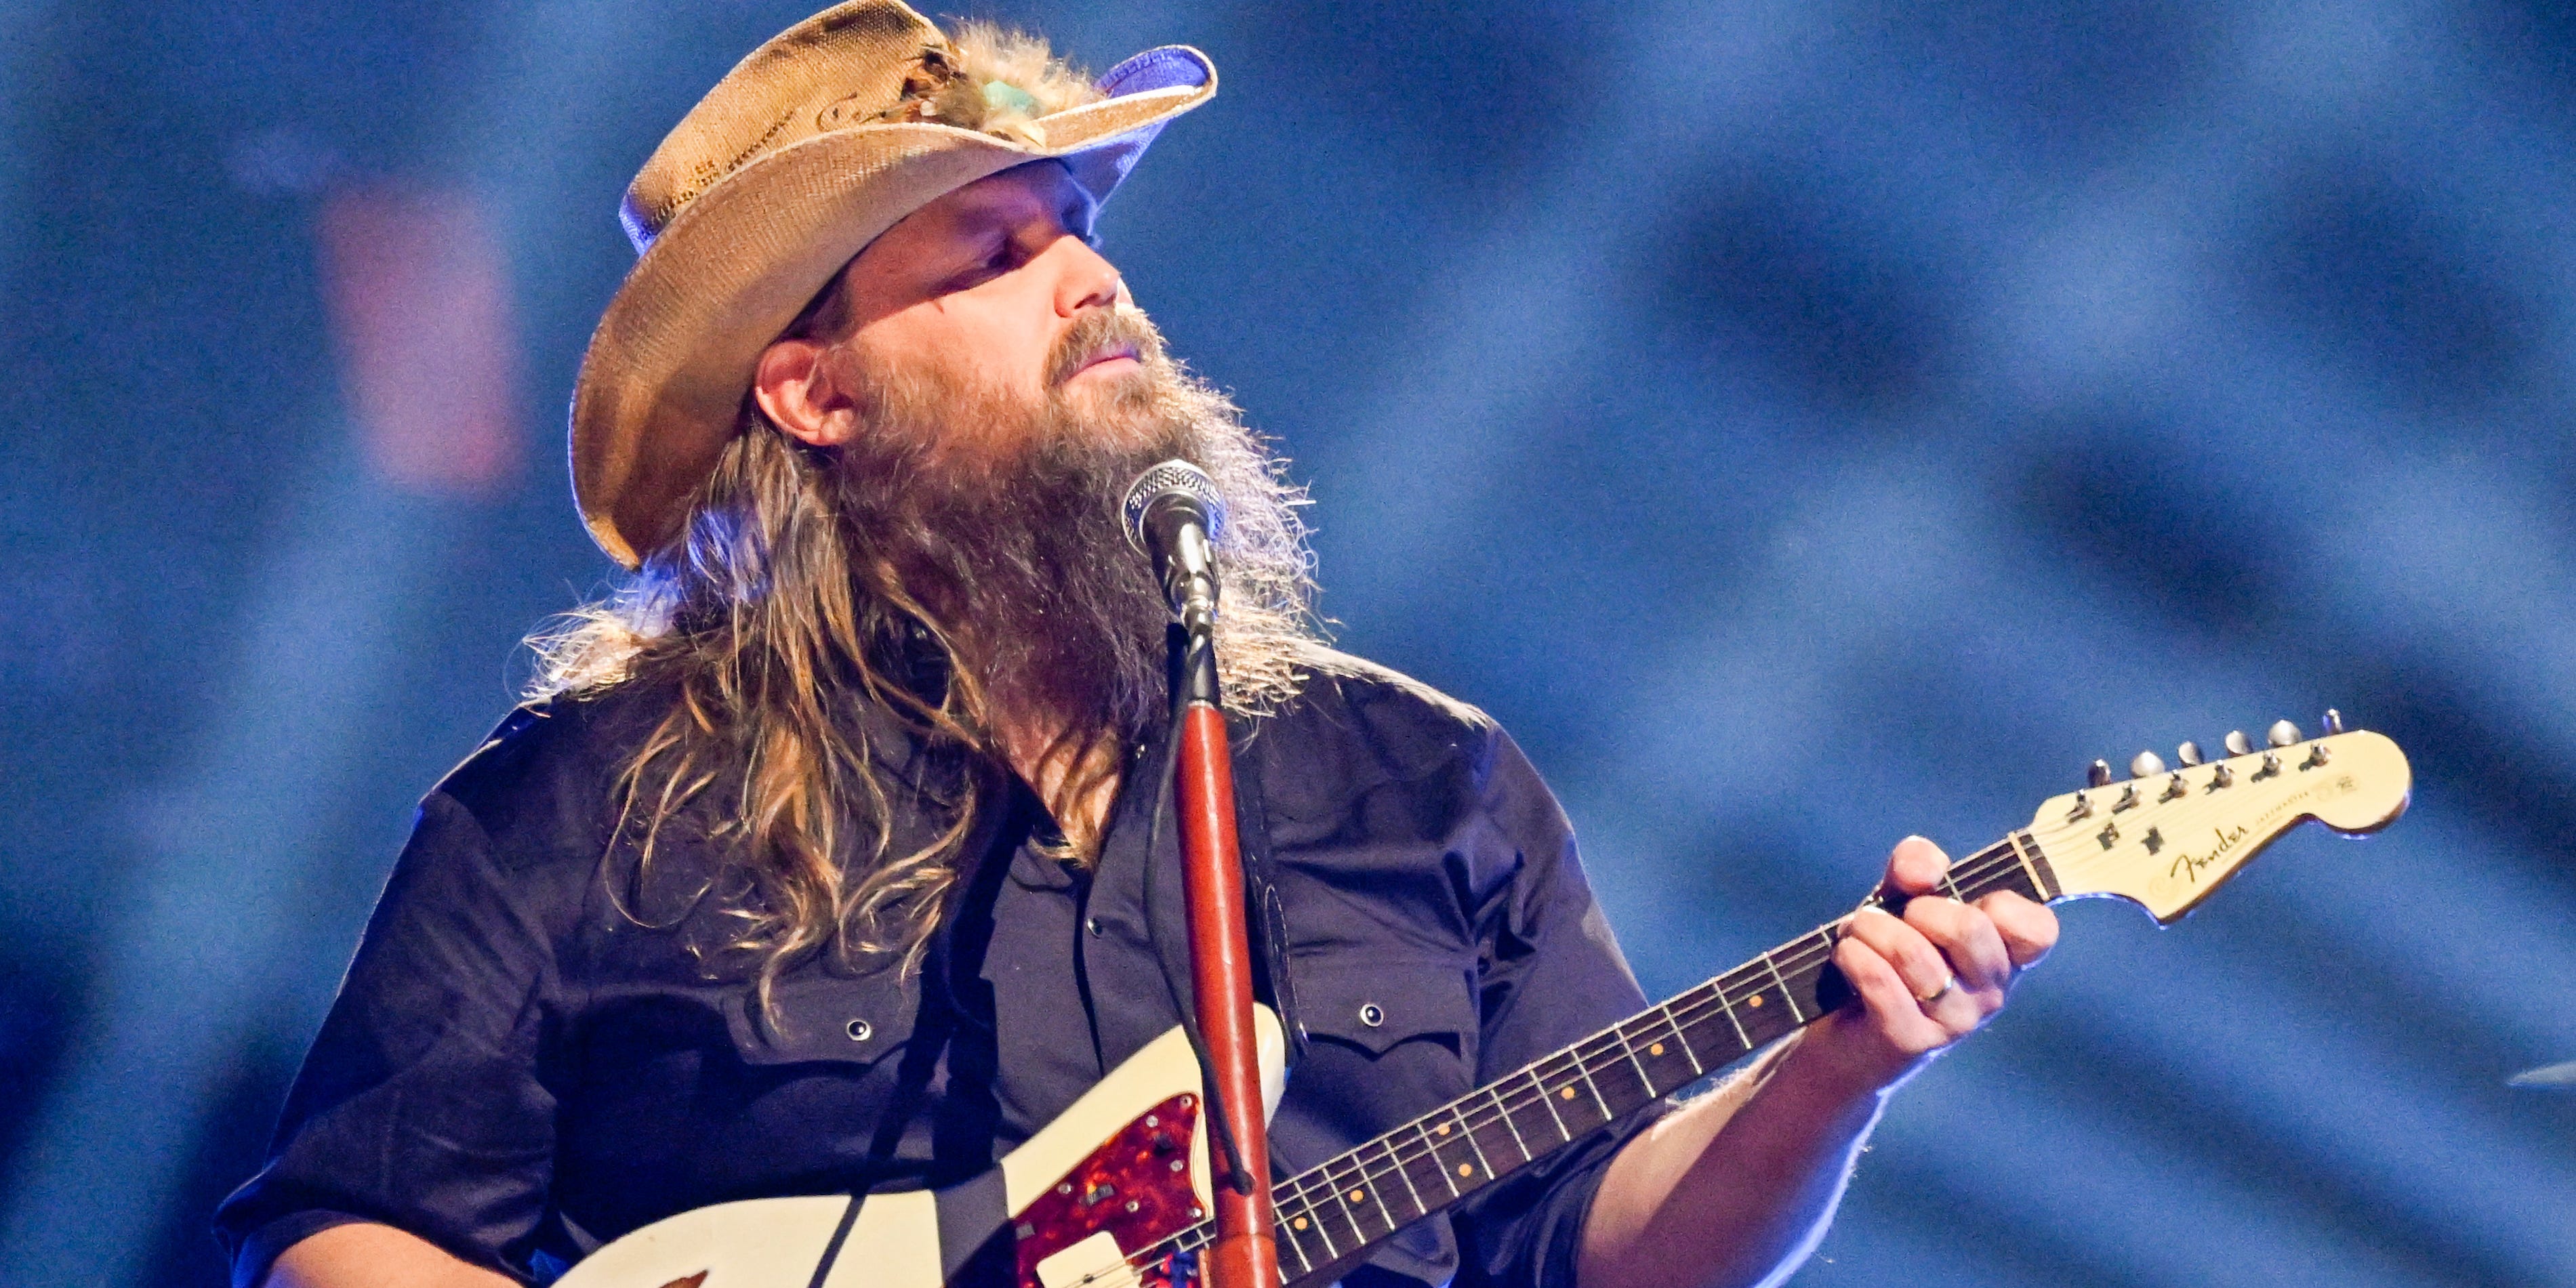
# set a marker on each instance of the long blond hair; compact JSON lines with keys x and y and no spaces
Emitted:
{"x":779,"y":628}
{"x":766,"y":625}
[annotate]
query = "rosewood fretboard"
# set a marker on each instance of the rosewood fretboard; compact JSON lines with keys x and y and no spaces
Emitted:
{"x":1328,"y":1215}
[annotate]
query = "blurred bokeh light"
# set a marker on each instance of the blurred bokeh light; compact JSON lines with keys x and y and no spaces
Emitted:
{"x":1801,"y":423}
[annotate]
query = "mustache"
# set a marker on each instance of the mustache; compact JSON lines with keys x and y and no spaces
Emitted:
{"x":1099,"y":331}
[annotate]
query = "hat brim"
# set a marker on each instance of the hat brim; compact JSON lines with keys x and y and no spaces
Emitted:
{"x":662,"y":383}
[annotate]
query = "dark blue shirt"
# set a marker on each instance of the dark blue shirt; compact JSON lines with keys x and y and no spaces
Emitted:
{"x":533,"y":1054}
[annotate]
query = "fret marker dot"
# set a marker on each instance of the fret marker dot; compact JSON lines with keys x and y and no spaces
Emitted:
{"x":1444,"y":1129}
{"x":1300,"y":1223}
{"x":1358,"y":1195}
{"x":1757,"y":999}
{"x":1465,"y":1170}
{"x":1567,"y":1094}
{"x":1656,"y":1049}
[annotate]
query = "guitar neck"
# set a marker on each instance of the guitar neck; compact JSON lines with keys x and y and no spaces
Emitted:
{"x":1330,"y":1214}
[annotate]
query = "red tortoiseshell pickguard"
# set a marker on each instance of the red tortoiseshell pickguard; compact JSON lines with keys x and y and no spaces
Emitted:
{"x":1128,"y":1187}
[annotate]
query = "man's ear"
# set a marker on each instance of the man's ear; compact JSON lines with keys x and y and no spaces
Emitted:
{"x":796,"y":388}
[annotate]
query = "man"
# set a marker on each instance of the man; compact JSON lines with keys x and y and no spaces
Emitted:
{"x":830,"y":861}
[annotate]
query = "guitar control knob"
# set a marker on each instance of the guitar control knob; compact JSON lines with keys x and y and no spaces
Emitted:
{"x":2098,"y":774}
{"x":2147,"y":765}
{"x":2187,"y":755}
{"x":2334,"y":721}
{"x":2282,"y":734}
{"x":2238,"y":744}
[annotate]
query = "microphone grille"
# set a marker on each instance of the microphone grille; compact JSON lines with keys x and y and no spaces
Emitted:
{"x":1169,"y":478}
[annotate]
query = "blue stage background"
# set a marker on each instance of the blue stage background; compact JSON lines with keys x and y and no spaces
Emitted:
{"x":1800,"y":423}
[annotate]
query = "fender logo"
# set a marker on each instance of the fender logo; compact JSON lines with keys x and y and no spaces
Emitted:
{"x":2188,"y":865}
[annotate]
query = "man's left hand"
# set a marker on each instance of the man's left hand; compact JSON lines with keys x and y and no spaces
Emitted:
{"x":1925,"y":979}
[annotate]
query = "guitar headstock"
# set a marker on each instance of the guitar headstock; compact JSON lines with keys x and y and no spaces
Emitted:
{"x":2167,"y":838}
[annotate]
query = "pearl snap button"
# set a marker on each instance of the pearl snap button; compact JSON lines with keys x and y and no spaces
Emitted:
{"x":1092,"y":924}
{"x":860,"y":1030}
{"x":1371,"y":1015}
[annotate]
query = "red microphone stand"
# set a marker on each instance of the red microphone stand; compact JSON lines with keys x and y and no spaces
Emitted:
{"x":1246,"y":1251}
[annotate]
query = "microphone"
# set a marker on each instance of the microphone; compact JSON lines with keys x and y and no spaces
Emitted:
{"x":1174,"y":516}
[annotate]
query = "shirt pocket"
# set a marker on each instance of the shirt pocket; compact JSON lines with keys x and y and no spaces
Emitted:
{"x":823,"y":1017}
{"x":1387,"y":1039}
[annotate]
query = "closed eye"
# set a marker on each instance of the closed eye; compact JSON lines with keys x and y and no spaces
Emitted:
{"x":998,"y":255}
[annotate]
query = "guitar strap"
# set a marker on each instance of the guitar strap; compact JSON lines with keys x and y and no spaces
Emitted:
{"x":935,"y":1023}
{"x":1272,"y":983}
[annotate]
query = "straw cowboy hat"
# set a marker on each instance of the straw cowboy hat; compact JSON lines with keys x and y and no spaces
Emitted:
{"x":814,"y":144}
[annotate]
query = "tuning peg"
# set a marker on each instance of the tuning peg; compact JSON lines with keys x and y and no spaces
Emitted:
{"x":2237,"y":745}
{"x":2282,"y":734}
{"x":2334,"y":721}
{"x":2188,"y":754}
{"x":2098,"y":774}
{"x":2147,"y":765}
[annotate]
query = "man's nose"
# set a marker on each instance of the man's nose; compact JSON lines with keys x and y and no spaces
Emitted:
{"x":1086,"y":280}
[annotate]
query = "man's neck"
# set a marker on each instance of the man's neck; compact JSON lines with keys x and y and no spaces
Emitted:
{"x":1077,"y":789}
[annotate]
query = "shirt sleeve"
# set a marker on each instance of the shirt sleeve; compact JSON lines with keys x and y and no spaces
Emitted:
{"x":419,"y":1105}
{"x":1551,"y":974}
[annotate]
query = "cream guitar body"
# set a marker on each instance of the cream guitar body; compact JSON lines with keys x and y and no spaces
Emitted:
{"x":1114,"y":1193}
{"x":1131,"y":1144}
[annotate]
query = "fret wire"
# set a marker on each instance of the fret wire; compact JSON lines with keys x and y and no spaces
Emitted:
{"x":1741,"y":1036}
{"x":1470,"y":1133}
{"x":1531,"y":1072}
{"x":1583,"y":1070}
{"x":1493,"y":1091}
{"x":1329,"y":1188}
{"x":1687,"y":1053}
{"x":1790,"y":1002}
{"x":2016,"y":840}
{"x":1290,"y":1238}
{"x":1358,"y":1177}
{"x":1377,"y":1190}
{"x":1348,"y":1214}
{"x":1644,"y":1079}
{"x":1420,"y":1208}
{"x":1434,"y":1150}
{"x":1301,"y":1194}
{"x":1330,"y":1252}
{"x":1984,"y":864}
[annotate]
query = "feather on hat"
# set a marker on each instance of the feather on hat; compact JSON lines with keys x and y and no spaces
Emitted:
{"x":815,"y":143}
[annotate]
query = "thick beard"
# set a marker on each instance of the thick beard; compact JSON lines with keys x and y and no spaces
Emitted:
{"x":1000,"y":516}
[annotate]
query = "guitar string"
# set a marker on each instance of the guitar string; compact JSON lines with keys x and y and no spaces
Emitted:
{"x":1996,"y":859}
{"x":2000,"y":858}
{"x":1302,"y":1189}
{"x":1609,"y":1045}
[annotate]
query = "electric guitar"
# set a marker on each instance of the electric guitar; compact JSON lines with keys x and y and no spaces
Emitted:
{"x":1114,"y":1193}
